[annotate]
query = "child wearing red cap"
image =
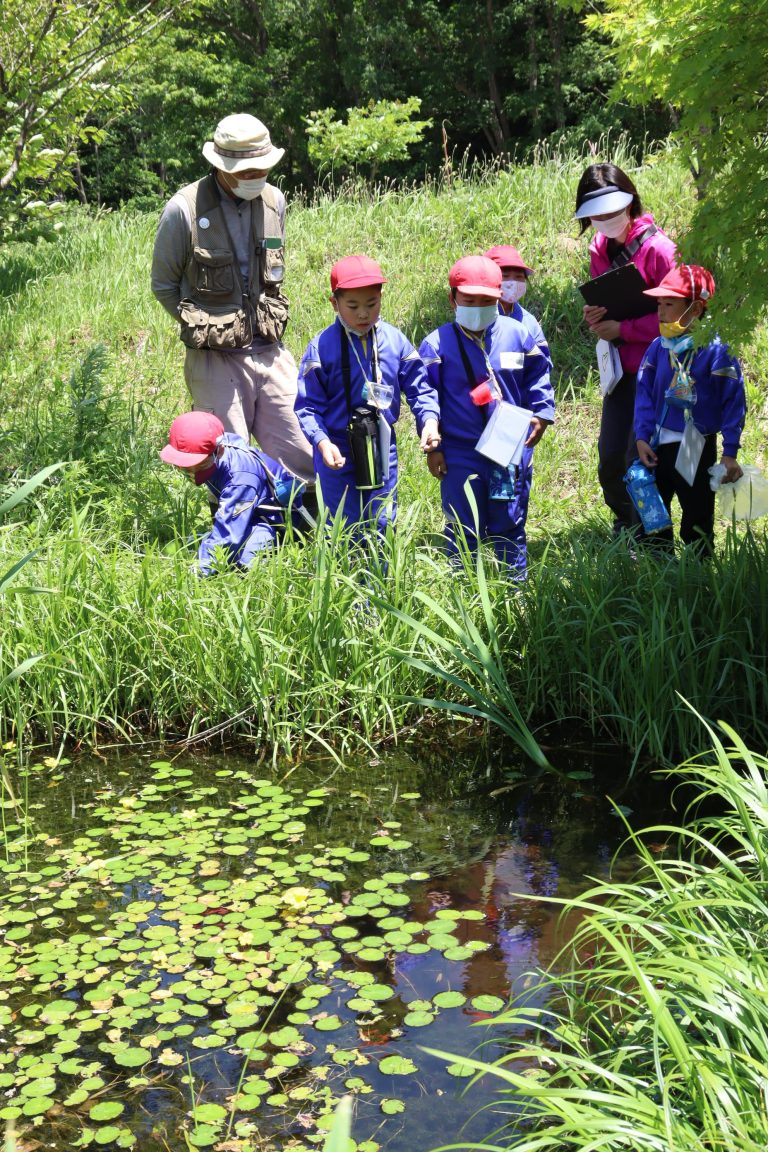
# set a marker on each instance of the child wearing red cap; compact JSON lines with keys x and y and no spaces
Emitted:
{"x":351,"y":378}
{"x":685,"y":397}
{"x":251,"y":490}
{"x":514,"y":285}
{"x":473,"y":362}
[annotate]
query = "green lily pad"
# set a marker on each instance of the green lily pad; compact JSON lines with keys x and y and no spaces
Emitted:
{"x":397,"y":1066}
{"x":106,"y":1110}
{"x":449,"y":999}
{"x":209,"y":1114}
{"x":419,"y":1019}
{"x":131,"y":1057}
{"x":487,"y":1003}
{"x":391,"y":1107}
{"x":328,"y":1023}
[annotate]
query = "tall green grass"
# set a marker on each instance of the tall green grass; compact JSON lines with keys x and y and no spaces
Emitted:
{"x":657,"y":1037}
{"x":133,"y":643}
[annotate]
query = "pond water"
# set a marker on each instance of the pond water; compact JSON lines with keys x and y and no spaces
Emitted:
{"x":200,"y":951}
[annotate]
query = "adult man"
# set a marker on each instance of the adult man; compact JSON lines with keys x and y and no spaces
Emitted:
{"x":217,"y":268}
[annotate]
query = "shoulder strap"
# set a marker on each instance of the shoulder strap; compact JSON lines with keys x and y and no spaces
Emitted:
{"x":345,"y":370}
{"x":471,"y":381}
{"x":201,"y":197}
{"x":627,"y":251}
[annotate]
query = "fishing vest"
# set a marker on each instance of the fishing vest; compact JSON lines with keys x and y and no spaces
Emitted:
{"x":213,"y":270}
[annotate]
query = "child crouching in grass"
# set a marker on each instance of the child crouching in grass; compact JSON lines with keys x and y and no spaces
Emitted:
{"x":249,"y":490}
{"x":686,"y":396}
{"x":351,"y":378}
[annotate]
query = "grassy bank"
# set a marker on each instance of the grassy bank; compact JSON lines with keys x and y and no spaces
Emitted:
{"x":659,"y":1039}
{"x":131,"y":643}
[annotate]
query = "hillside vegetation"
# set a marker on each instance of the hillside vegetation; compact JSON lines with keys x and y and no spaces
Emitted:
{"x":131,"y":642}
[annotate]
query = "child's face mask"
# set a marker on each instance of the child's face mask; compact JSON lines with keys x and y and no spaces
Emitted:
{"x":513,"y":290}
{"x":476,"y":319}
{"x":673,"y":328}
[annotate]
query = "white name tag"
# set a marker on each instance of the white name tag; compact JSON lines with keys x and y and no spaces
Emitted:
{"x":512,"y":360}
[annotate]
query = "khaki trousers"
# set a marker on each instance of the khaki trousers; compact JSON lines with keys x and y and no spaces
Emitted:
{"x":252,"y":393}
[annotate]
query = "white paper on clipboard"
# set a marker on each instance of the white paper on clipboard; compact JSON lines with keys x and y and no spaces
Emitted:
{"x":505,"y":434}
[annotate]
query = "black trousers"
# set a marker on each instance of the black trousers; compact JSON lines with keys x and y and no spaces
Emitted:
{"x":697,"y":500}
{"x":616,"y":450}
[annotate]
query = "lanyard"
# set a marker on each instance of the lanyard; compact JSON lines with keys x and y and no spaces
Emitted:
{"x":346,"y":340}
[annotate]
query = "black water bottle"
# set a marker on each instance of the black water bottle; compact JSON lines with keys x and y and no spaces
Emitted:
{"x":363,"y":432}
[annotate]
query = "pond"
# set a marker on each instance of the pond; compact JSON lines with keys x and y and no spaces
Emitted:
{"x":201,"y":951}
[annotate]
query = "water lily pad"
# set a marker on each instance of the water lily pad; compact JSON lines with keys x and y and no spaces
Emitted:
{"x":449,"y":999}
{"x":419,"y":1019}
{"x":131,"y":1057}
{"x":209,"y":1114}
{"x":397,"y":1066}
{"x":391,"y":1107}
{"x":328,"y":1023}
{"x":487,"y":1003}
{"x":203,"y":1136}
{"x":106,"y":1110}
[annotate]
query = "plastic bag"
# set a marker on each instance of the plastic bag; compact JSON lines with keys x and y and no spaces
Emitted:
{"x":746,"y":498}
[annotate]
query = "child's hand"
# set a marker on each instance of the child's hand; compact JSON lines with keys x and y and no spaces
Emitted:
{"x":732,"y":469}
{"x":437,"y":465}
{"x":332,"y":458}
{"x":646,"y":454}
{"x":430,"y":437}
{"x":538,"y":428}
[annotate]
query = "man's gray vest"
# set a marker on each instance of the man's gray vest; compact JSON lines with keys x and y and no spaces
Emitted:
{"x":213,"y":270}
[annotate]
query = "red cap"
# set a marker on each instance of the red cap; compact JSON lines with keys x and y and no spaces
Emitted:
{"x":508,"y":257}
{"x":192,"y":437}
{"x":688,"y":281}
{"x":476,"y":275}
{"x":356,"y":272}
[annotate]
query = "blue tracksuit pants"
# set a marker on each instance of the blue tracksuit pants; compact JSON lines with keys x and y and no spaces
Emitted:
{"x":377,"y":506}
{"x":502,"y":522}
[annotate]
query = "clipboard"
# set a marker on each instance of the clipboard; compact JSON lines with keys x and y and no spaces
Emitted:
{"x":620,"y":291}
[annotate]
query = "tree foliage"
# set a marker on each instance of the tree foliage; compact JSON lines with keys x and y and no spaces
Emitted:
{"x":371,"y":137}
{"x":709,"y":62}
{"x":64,"y":69}
{"x":493,"y":76}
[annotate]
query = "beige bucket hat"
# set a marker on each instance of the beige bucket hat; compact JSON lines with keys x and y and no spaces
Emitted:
{"x":241,"y":142}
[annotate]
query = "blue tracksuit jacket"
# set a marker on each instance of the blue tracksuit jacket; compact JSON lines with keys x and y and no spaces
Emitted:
{"x":247,"y":516}
{"x":720,"y":400}
{"x":321,"y":407}
{"x":522,"y":368}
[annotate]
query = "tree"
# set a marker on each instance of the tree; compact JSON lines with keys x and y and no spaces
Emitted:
{"x":378,"y":134}
{"x":60,"y":61}
{"x":709,"y":61}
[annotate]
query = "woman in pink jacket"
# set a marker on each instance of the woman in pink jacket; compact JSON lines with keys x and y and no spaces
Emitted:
{"x":607,"y":200}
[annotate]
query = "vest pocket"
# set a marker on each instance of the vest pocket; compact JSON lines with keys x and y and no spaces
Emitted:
{"x":274,"y":264}
{"x":214,"y":271}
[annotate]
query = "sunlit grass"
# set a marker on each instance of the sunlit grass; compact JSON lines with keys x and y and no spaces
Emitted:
{"x":133,"y":643}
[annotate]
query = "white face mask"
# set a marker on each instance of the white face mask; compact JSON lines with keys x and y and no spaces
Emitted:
{"x":476,"y":319}
{"x":250,"y":189}
{"x":513,"y":290}
{"x":614,"y":227}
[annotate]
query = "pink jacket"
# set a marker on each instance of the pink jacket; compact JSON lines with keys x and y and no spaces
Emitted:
{"x":653,"y":260}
